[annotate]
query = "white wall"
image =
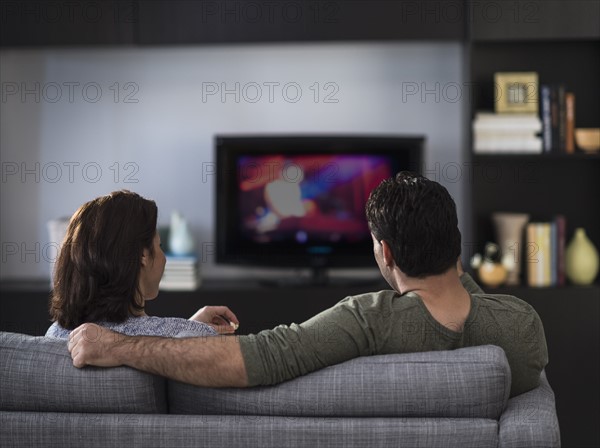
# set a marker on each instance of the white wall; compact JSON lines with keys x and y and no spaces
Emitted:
{"x":168,"y":133}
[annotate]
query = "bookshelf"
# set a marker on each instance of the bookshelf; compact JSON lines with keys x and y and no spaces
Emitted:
{"x":562,"y":46}
{"x":541,"y":185}
{"x":547,"y":184}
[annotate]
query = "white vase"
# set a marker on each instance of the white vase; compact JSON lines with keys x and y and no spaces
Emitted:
{"x":509,"y":235}
{"x":181,"y":241}
{"x":581,"y":259}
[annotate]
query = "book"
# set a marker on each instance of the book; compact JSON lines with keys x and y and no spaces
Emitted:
{"x":562,"y":119}
{"x":190,"y":268}
{"x":531,"y":254}
{"x":181,"y":260}
{"x":558,"y":117}
{"x":179,"y":285}
{"x":495,"y":134}
{"x":515,"y":133}
{"x":180,"y":275}
{"x":531,"y":145}
{"x":545,"y":112}
{"x":561,"y":230}
{"x":553,"y":254}
{"x":554,"y":117}
{"x":539,"y":254}
{"x":545,"y":254}
{"x":488,"y":121}
{"x":570,"y":123}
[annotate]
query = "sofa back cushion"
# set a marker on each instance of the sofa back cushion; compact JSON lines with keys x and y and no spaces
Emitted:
{"x":38,"y":376}
{"x":471,"y":382}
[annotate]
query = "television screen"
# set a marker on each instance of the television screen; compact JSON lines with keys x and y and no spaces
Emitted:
{"x":313,"y":200}
{"x":300,"y":201}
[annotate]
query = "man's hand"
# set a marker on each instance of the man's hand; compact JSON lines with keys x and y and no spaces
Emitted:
{"x":214,"y":316}
{"x":91,"y":344}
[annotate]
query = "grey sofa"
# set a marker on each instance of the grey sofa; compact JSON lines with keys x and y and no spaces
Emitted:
{"x":438,"y":399}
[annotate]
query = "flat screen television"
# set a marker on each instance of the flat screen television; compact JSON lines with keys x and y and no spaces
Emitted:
{"x":298,"y":201}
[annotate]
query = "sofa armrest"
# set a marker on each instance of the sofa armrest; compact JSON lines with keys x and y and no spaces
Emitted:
{"x":38,"y":376}
{"x":530,"y":419}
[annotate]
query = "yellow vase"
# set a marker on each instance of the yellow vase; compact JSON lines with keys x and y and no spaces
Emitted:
{"x":581,"y":259}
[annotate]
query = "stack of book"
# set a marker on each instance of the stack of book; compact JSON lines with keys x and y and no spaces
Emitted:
{"x":557,"y":110}
{"x":181,"y":273}
{"x":545,"y":253}
{"x":507,"y":133}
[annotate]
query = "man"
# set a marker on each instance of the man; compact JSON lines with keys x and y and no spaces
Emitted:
{"x":433,"y":306}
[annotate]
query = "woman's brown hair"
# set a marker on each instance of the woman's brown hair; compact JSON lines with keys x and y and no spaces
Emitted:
{"x":96,"y":274}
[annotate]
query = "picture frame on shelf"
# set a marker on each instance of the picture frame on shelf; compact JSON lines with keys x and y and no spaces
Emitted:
{"x":516,"y":92}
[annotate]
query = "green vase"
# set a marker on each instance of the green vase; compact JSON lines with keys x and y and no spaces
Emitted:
{"x":581,"y":259}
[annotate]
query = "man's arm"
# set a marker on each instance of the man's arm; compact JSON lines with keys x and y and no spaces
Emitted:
{"x":214,"y":361}
{"x":356,"y":326}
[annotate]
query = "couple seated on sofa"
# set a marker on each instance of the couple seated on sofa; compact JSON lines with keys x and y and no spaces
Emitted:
{"x":416,"y":243}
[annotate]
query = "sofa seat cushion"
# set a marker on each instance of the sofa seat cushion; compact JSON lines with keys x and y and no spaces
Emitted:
{"x":471,"y":382}
{"x":38,"y":375}
{"x":185,"y":431}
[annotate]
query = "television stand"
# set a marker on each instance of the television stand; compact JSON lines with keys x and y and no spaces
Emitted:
{"x":319,"y":277}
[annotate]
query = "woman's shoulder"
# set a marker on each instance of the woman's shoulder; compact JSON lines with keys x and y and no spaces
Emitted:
{"x":160,"y":326}
{"x":172,"y":327}
{"x":56,"y":331}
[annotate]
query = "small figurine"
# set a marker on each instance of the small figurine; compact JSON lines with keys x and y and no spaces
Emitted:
{"x":490,"y":270}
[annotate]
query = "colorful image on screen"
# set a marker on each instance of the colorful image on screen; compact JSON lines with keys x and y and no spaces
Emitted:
{"x":307,"y":199}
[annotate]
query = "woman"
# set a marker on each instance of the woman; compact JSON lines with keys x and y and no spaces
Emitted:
{"x":110,"y":264}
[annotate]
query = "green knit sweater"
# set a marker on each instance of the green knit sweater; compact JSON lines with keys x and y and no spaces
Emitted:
{"x":385,"y":322}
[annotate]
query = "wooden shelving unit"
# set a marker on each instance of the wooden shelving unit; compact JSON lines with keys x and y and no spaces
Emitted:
{"x":562,"y":47}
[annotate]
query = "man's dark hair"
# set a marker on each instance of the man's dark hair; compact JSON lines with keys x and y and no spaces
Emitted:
{"x":417,"y":218}
{"x":97,"y":272}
